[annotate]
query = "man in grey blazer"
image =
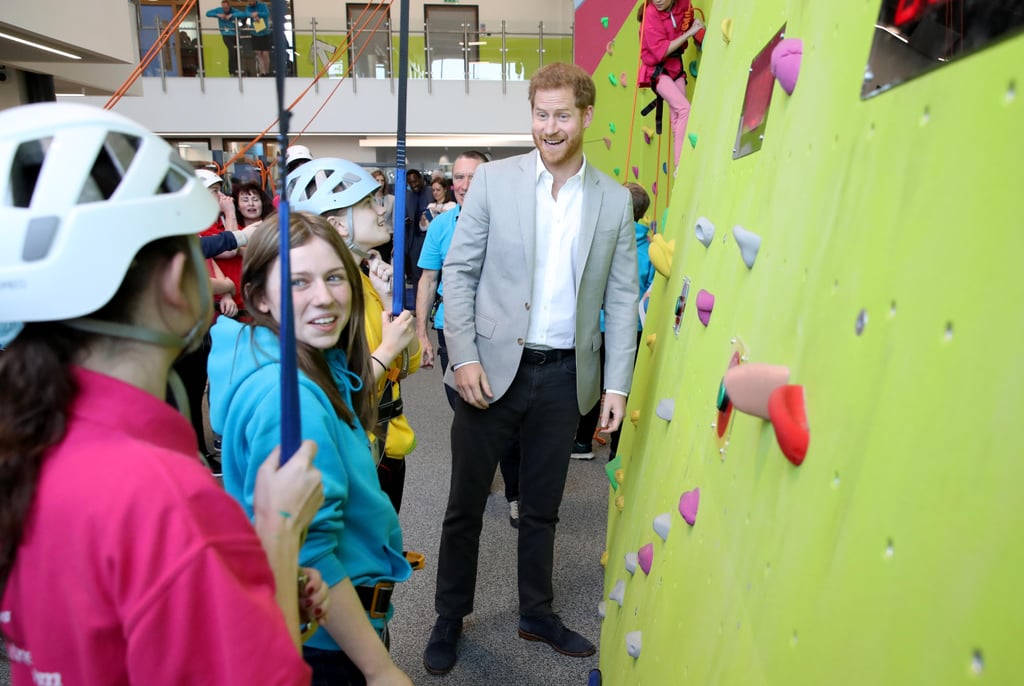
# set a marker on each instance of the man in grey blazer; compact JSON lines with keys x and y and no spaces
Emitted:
{"x":543,"y":242}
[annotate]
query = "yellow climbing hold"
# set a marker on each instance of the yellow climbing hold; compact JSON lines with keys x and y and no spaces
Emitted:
{"x":634,"y":417}
{"x":620,"y":476}
{"x":604,"y":559}
{"x":651,"y":341}
{"x":727,"y":29}
{"x":620,"y":503}
{"x":661,"y":251}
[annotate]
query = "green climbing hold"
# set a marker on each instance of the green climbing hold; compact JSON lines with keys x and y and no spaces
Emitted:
{"x":614,"y":81}
{"x":604,"y":22}
{"x":693,"y":68}
{"x":693,"y":139}
{"x":611,"y":126}
{"x":616,"y":171}
{"x":610,"y":469}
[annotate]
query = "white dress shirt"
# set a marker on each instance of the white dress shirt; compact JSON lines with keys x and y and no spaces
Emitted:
{"x":553,"y":294}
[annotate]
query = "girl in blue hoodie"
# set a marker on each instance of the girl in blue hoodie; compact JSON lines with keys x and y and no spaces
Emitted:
{"x":355,"y":540}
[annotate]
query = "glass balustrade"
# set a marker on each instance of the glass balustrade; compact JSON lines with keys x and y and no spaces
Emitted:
{"x":490,"y":51}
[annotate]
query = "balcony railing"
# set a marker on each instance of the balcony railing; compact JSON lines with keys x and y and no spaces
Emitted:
{"x":467,"y":54}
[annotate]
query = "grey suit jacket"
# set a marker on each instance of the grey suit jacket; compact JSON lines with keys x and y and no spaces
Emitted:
{"x":488,"y":278}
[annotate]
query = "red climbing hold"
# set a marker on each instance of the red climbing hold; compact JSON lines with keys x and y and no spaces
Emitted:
{"x":787,"y":409}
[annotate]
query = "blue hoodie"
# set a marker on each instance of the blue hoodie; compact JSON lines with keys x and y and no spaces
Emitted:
{"x":356,"y":533}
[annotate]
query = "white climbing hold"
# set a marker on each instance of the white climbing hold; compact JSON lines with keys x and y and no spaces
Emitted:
{"x":634,"y":643}
{"x":705,"y":231}
{"x":601,"y":608}
{"x":666,"y":408}
{"x":632,"y":560}
{"x":749,"y":243}
{"x":618,"y":593}
{"x":662,"y":524}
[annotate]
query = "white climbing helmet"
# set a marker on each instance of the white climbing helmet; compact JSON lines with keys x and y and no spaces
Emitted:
{"x":328,"y":183}
{"x":82,"y":190}
{"x":208,"y":178}
{"x":294,"y":153}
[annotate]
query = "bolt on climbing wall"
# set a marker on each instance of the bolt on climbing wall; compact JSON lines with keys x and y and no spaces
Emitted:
{"x":820,"y":481}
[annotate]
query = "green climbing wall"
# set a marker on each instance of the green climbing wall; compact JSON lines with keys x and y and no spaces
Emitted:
{"x":894,"y":554}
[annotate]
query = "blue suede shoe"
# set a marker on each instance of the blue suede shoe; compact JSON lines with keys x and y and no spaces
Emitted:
{"x":550,"y":630}
{"x":440,"y":656}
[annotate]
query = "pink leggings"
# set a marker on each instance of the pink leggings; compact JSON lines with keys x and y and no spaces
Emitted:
{"x":674,"y":93}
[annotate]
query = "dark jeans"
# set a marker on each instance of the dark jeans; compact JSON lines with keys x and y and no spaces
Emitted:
{"x":334,"y":667}
{"x":229,"y":43}
{"x":191,"y":368}
{"x":541,"y":407}
{"x":509,"y":462}
{"x":391,"y":475}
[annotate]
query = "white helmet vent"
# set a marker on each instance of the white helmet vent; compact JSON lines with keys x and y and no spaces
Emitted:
{"x":109,"y":168}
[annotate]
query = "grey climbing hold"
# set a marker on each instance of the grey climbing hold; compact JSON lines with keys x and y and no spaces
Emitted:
{"x":662,"y":525}
{"x":618,"y":593}
{"x":749,"y":243}
{"x":666,"y":408}
{"x":634,"y":643}
{"x":705,"y":231}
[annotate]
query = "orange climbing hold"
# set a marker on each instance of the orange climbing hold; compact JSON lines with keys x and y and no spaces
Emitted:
{"x":787,"y":409}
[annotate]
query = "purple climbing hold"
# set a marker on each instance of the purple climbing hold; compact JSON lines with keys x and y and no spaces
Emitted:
{"x":688,"y":504}
{"x":705,"y":303}
{"x":654,"y":187}
{"x":645,"y":556}
{"x":785,"y":64}
{"x":636,"y":172}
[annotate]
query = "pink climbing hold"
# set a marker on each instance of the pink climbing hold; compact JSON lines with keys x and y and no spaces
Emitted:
{"x":785,"y":66}
{"x":705,"y":303}
{"x":688,"y":504}
{"x":647,"y":138}
{"x":645,"y":556}
{"x":607,"y":142}
{"x":750,"y":386}
{"x":636,"y":172}
{"x":654,"y":187}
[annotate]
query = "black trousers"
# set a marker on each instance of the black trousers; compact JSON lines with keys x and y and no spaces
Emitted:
{"x":229,"y":43}
{"x":509,"y":462}
{"x":540,"y":407}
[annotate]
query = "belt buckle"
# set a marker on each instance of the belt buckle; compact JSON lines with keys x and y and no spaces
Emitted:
{"x":381,"y":595}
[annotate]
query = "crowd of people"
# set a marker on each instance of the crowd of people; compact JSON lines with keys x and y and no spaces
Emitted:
{"x":169,"y":578}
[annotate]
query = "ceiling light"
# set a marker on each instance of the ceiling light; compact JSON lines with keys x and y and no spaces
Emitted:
{"x":39,"y":46}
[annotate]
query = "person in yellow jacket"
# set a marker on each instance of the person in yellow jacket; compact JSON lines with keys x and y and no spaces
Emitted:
{"x":342,"y":191}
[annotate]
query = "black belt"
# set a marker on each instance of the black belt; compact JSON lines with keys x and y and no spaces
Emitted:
{"x":537,"y":356}
{"x":376,"y":599}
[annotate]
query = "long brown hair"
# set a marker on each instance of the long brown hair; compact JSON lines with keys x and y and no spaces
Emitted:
{"x":38,"y":389}
{"x":260,"y":256}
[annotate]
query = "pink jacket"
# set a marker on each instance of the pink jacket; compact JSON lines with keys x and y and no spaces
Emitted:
{"x":660,"y":29}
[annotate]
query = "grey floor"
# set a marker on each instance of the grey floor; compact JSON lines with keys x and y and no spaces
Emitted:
{"x":490,"y":650}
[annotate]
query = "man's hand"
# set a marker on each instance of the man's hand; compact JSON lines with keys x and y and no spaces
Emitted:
{"x":472,"y":385}
{"x":612,"y":412}
{"x":426,"y":350}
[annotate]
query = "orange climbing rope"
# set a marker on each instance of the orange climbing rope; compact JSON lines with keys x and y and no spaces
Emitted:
{"x":636,"y":91}
{"x":382,"y":10}
{"x":153,"y":51}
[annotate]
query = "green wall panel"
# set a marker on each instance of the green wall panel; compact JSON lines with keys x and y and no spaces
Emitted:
{"x":893,"y":555}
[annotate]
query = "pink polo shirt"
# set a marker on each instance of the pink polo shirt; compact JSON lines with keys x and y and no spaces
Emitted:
{"x":135,"y":567}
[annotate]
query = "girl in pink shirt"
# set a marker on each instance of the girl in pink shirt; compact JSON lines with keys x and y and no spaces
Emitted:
{"x":667,"y":25}
{"x":122,"y":561}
